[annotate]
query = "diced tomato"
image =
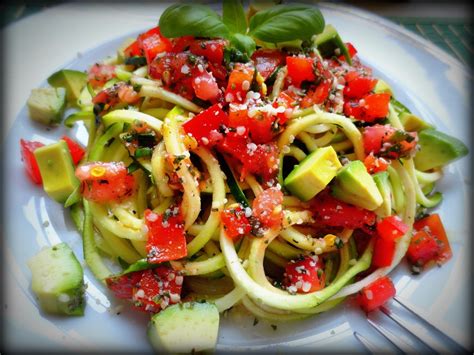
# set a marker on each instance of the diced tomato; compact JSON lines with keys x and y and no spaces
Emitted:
{"x":433,"y":225}
{"x":305,"y":275}
{"x":205,"y":87}
{"x":152,"y":43}
{"x":99,"y":74}
{"x":353,"y":108}
{"x":391,"y":227}
{"x":286,"y":101}
{"x":157,"y":289}
{"x":300,"y":69}
{"x":235,"y":223}
{"x":267,"y":60}
{"x":376,"y":106}
{"x":386,"y":141}
{"x":105,"y":182}
{"x":267,"y":207}
{"x":133,"y":50}
{"x":376,"y":294}
{"x":181,"y":44}
{"x":384,"y":250}
{"x":166,"y":238}
{"x":219,"y":71}
{"x":375,"y":165}
{"x":351,"y":49}
{"x":317,"y":96}
{"x":29,"y":160}
{"x":330,"y":211}
{"x":258,"y":159}
{"x":122,"y":286}
{"x":76,"y":150}
{"x":212,"y":50}
{"x":359,"y":86}
{"x":240,"y":80}
{"x":423,"y":248}
{"x":202,"y":125}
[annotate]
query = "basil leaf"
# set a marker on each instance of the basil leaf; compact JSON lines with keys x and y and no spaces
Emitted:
{"x":233,"y":15}
{"x":243,"y":43}
{"x":192,"y":19}
{"x":286,"y":22}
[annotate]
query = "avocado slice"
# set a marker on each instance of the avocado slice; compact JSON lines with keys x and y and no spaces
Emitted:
{"x":185,"y":328}
{"x":57,"y":170}
{"x":46,"y":105}
{"x":313,"y":174}
{"x":73,"y":80}
{"x":354,"y":185}
{"x":328,"y":41}
{"x":382,"y":87}
{"x":381,"y":180}
{"x":437,"y":149}
{"x":57,"y":280}
{"x":412,"y":122}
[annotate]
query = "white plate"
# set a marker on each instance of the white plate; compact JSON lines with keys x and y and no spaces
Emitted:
{"x":431,"y":83}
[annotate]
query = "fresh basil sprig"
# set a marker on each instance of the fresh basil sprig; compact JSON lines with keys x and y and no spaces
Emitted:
{"x":283,"y":23}
{"x":280,"y":23}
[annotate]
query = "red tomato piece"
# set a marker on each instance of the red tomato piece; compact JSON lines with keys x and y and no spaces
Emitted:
{"x":376,"y":294}
{"x":286,"y":101}
{"x":423,"y":248}
{"x":209,"y":120}
{"x":105,"y":182}
{"x":384,"y":250}
{"x":212,"y":50}
{"x":29,"y":160}
{"x":76,"y":150}
{"x":240,"y":80}
{"x":300,"y":69}
{"x":352,"y":51}
{"x":99,"y":74}
{"x":205,"y":87}
{"x":157,"y":289}
{"x":258,"y":159}
{"x":317,"y":96}
{"x":122,"y":286}
{"x":391,"y":227}
{"x":332,"y":212}
{"x":358,"y":86}
{"x":376,"y":106}
{"x":181,"y":44}
{"x":133,"y":50}
{"x":235,"y":223}
{"x":388,"y":142}
{"x":152,"y":43}
{"x":267,"y":60}
{"x":305,"y":275}
{"x":267,"y":207}
{"x":432,"y":224}
{"x":219,"y":71}
{"x":375,"y":165}
{"x":166,"y":238}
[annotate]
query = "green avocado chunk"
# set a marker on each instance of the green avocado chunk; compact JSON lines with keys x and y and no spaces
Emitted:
{"x":313,"y":174}
{"x":57,"y":280}
{"x":382,"y":87}
{"x":46,"y":105}
{"x":412,"y":122}
{"x":354,"y":185}
{"x":57,"y":170}
{"x":329,"y":41}
{"x":437,"y":149}
{"x":73,"y":80}
{"x":185,"y":328}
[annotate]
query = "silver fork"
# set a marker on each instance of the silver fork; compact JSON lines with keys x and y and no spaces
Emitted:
{"x":418,"y":335}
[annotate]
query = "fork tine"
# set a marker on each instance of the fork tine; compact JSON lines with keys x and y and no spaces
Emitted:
{"x":398,"y":342}
{"x":439,"y":338}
